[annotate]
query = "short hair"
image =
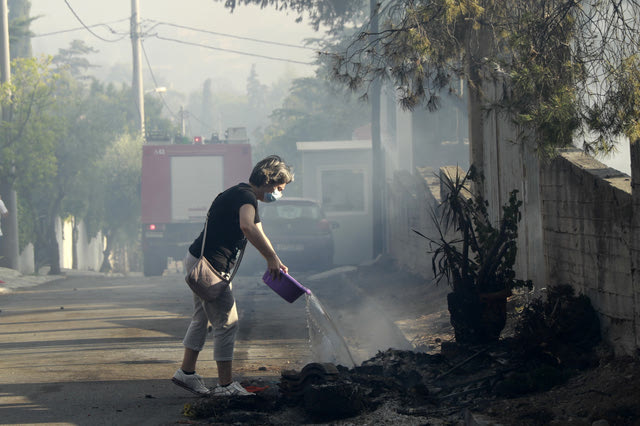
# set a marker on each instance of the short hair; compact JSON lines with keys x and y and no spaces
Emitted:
{"x":271,"y":170}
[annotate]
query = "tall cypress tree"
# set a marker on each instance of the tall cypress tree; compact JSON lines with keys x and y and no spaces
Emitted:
{"x":20,"y":33}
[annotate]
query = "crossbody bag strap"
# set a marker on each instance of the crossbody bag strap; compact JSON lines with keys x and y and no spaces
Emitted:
{"x":235,"y":267}
{"x":204,"y":235}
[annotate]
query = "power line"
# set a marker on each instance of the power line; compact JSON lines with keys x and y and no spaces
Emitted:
{"x":277,"y":43}
{"x":201,"y":122}
{"x":146,"y":57}
{"x":153,"y":77}
{"x":106,"y":24}
{"x":86,"y":27}
{"x":273,"y":58}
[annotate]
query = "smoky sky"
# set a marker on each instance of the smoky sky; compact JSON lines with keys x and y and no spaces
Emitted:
{"x":182,"y":66}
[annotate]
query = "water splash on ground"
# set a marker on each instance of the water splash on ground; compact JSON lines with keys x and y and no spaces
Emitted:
{"x":327,"y":343}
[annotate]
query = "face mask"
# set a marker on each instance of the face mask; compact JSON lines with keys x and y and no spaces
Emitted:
{"x":270,"y":197}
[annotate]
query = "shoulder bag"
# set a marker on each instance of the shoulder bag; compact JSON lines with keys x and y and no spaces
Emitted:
{"x":204,"y":280}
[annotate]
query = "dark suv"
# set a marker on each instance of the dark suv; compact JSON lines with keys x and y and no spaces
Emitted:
{"x":299,"y":232}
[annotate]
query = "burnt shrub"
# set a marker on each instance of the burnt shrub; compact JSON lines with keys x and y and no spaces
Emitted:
{"x":538,"y":379}
{"x":564,"y":328}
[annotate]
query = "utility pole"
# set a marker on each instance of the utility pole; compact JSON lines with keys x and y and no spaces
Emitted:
{"x":378,"y":174}
{"x":478,"y":48}
{"x":182,"y":125}
{"x":9,"y":249}
{"x":136,"y":85}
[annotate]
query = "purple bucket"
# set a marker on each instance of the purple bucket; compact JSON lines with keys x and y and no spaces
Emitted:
{"x":286,"y":286}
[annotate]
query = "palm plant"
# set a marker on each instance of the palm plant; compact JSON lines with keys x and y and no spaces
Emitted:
{"x":475,"y":257}
{"x":469,"y":251}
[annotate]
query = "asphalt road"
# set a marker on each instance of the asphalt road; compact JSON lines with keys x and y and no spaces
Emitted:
{"x":101,"y":350}
{"x":96,"y":350}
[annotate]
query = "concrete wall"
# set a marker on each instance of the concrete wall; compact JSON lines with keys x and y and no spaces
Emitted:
{"x":576,"y":217}
{"x":89,"y":250}
{"x":347,"y":201}
{"x":575,"y":226}
{"x":586,"y":212}
{"x":508,"y":166}
{"x":411,"y":200}
{"x":26,"y":261}
{"x":64,"y":236}
{"x":415,"y":146}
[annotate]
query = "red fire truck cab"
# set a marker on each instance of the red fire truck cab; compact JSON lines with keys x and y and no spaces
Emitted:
{"x":179,"y":182}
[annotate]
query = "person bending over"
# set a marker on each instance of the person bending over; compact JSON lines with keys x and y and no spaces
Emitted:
{"x":233,"y":220}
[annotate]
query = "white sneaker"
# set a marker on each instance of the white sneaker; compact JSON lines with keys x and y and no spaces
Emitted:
{"x":233,"y":389}
{"x":191,"y":382}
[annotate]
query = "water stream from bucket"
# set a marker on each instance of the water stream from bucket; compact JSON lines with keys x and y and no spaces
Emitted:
{"x":327,"y":344}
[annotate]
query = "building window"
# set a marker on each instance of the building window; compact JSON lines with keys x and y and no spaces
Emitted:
{"x":343,"y":190}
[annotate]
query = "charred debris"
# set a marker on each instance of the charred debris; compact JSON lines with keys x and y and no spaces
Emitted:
{"x":552,"y":340}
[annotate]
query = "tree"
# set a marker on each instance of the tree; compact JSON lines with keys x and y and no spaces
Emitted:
{"x":208,"y":104}
{"x":88,"y":121}
{"x":27,"y":150}
{"x":19,"y":31}
{"x":227,"y":106}
{"x":77,"y":118}
{"x":74,"y":58}
{"x":115,"y":201}
{"x":256,"y":91}
{"x":559,"y":56}
{"x":333,"y":13}
{"x":155,"y":121}
{"x":313,"y":110}
{"x":105,"y":191}
{"x":262,"y":100}
{"x":25,"y":157}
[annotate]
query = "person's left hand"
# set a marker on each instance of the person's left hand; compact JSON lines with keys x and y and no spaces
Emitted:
{"x":276,"y":267}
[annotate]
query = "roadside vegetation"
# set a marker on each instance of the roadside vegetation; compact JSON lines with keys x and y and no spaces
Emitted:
{"x":59,"y":151}
{"x":71,"y":149}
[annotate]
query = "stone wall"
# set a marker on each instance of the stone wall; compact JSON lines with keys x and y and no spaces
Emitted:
{"x":586,"y":213}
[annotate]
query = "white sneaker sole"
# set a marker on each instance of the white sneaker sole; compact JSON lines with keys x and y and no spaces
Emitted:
{"x":187,"y":387}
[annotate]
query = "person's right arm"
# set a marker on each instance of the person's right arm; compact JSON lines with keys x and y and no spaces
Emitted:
{"x":256,"y":236}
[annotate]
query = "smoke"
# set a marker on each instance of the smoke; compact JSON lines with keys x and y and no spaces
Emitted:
{"x":350,"y":316}
{"x":620,"y":159}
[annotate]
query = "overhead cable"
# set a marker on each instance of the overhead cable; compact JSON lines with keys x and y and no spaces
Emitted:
{"x":207,"y":127}
{"x":155,"y":82}
{"x":106,"y":24}
{"x":273,"y":58}
{"x":277,"y":43}
{"x":86,"y":27}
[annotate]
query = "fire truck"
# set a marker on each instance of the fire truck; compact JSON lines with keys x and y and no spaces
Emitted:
{"x":179,"y":182}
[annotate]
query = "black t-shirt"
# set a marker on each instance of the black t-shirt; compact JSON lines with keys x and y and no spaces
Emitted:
{"x":224,"y":236}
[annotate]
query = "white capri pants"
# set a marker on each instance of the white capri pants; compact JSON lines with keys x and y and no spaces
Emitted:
{"x":222,"y":315}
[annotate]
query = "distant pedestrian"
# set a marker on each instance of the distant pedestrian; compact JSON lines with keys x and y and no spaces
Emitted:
{"x":232,"y":220}
{"x":3,"y":213}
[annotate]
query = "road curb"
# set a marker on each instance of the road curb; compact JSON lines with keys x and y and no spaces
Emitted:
{"x":12,"y":280}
